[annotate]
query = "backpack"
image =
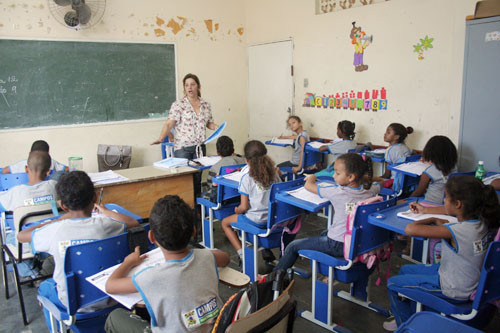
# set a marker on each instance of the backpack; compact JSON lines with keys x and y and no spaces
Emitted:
{"x":372,"y":257}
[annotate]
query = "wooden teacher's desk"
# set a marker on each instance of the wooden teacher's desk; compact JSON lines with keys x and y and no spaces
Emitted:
{"x":147,"y":184}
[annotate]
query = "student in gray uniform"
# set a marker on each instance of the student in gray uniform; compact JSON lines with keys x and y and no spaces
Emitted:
{"x":182,"y":293}
{"x":38,"y":145}
{"x":225,"y":149}
{"x":77,"y":195}
{"x":37,"y":191}
{"x":254,"y":188}
{"x":464,"y":246}
{"x":344,"y":143}
{"x":299,"y":144}
{"x":442,"y":154}
{"x":397,"y":151}
{"x":353,"y":178}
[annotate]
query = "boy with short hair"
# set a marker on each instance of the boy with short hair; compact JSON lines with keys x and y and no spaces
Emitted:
{"x":225,"y":149}
{"x":37,"y":191}
{"x":182,"y":293}
{"x":77,"y":195}
{"x":38,"y":145}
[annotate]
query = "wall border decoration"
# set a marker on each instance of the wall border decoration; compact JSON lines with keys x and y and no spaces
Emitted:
{"x":329,"y":6}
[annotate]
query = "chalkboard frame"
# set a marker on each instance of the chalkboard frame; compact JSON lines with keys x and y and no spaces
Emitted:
{"x":106,"y":122}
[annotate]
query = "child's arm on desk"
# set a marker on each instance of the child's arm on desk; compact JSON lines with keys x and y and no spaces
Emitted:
{"x":417,"y":208}
{"x":422,"y":186}
{"x":221,"y":258}
{"x":129,"y":221}
{"x":287,"y":137}
{"x":244,"y":205}
{"x":310,"y":184}
{"x":428,"y":228}
{"x":118,"y":282}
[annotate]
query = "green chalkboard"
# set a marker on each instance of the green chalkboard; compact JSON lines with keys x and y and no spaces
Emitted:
{"x":59,"y":83}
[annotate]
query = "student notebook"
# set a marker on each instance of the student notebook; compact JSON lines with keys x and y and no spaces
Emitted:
{"x":409,"y":215}
{"x":416,"y":168}
{"x":303,"y":194}
{"x":171,"y":162}
{"x":317,"y":144}
{"x":282,"y":141}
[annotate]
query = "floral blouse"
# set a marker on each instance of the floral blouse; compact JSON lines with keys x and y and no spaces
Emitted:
{"x":190,"y":127}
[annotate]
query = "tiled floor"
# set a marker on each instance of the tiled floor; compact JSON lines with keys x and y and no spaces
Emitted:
{"x":354,"y":317}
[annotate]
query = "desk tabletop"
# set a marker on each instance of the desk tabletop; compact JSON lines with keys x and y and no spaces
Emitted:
{"x":220,"y":180}
{"x":148,"y":173}
{"x":270,"y":143}
{"x":307,"y":205}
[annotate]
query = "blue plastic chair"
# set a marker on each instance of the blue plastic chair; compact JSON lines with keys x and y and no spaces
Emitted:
{"x":309,"y":158}
{"x":81,"y":261}
{"x":488,"y":290}
{"x":9,"y":180}
{"x":167,"y":148}
{"x":216,"y":210}
{"x":432,"y":322}
{"x":365,"y":237}
{"x":264,"y":235}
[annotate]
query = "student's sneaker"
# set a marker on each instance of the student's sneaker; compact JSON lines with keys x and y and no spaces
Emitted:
{"x":268,"y":255}
{"x":390,"y":325}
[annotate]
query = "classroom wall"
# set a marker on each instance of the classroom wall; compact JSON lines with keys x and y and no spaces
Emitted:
{"x":424,"y":94}
{"x":210,"y":40}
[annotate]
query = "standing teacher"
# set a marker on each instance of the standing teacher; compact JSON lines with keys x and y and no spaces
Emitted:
{"x":189,"y":116}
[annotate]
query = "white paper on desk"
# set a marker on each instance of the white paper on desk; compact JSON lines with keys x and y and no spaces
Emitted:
{"x":171,"y":162}
{"x":317,"y":144}
{"x":413,"y":167}
{"x":106,"y":177}
{"x":236,"y":176}
{"x":379,"y":151}
{"x":282,"y":141}
{"x":208,"y":160}
{"x":303,"y":194}
{"x":409,"y":215}
{"x":154,"y":258}
{"x":488,"y":180}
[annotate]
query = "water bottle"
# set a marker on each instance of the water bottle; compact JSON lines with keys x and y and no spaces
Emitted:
{"x":480,"y":170}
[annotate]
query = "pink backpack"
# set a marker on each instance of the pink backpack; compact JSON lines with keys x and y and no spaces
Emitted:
{"x":372,"y":257}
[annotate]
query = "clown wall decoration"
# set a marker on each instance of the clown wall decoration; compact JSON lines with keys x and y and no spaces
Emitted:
{"x":360,"y":41}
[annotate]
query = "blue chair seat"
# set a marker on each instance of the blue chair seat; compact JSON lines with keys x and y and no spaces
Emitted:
{"x":433,"y":322}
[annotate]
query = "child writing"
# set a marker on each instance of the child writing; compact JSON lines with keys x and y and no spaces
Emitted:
{"x":300,"y":138}
{"x":353,"y":177}
{"x":77,"y":198}
{"x":37,"y":191}
{"x":441,"y":153}
{"x":225,"y":149}
{"x":465,"y":244}
{"x":254,"y":188}
{"x":38,"y":145}
{"x":345,"y":133}
{"x":182,"y":293}
{"x":395,"y":136}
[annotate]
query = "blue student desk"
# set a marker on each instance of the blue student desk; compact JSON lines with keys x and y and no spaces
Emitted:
{"x":306,"y":205}
{"x":270,"y":143}
{"x":316,"y":150}
{"x":389,"y":220}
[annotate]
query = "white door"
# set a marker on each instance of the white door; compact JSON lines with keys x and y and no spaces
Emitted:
{"x":270,"y":94}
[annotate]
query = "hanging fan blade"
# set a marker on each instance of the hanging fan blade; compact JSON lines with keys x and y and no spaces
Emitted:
{"x":71,"y":19}
{"x":63,"y":2}
{"x":84,"y":14}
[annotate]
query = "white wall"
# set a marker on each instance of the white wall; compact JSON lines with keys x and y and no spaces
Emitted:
{"x":218,"y":58}
{"x":424,"y":94}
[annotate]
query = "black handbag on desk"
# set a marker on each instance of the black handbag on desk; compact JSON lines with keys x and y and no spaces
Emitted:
{"x":113,"y":157}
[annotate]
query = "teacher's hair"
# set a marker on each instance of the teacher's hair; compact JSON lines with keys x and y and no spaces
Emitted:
{"x":195,"y":78}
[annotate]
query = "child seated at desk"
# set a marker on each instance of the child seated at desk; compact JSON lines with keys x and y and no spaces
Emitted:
{"x":345,"y":133}
{"x":225,"y":149}
{"x":441,"y":153}
{"x":300,"y":138}
{"x":78,"y":197}
{"x":254,"y":187}
{"x":38,"y":145}
{"x":465,"y":244}
{"x":353,"y":177}
{"x":397,"y":151}
{"x":181,"y":294}
{"x":37,"y":191}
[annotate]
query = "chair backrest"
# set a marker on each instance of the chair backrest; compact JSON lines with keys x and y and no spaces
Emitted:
{"x":488,"y":288}
{"x":365,"y":236}
{"x":24,"y":215}
{"x":167,"y":148}
{"x":87,"y":259}
{"x":10,"y":180}
{"x":278,"y":211}
{"x":413,"y":158}
{"x":225,"y":192}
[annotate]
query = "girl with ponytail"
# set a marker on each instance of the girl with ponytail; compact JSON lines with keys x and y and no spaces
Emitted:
{"x":464,"y":246}
{"x":254,"y":188}
{"x":353,"y":177}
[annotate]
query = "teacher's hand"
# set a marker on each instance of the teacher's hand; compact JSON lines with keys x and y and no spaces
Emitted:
{"x":156,"y":142}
